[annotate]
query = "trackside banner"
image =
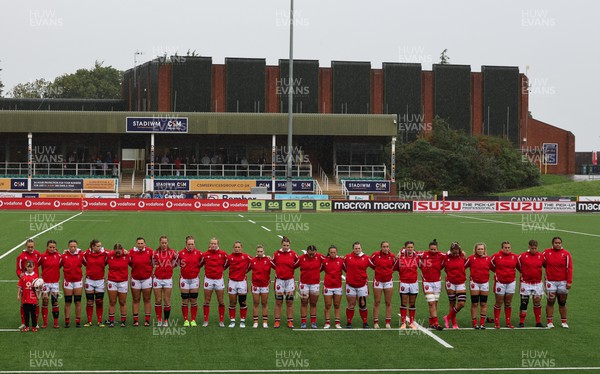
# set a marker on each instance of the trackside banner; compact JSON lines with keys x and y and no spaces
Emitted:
{"x":126,"y":204}
{"x":494,"y":206}
{"x":371,"y":206}
{"x":588,"y":207}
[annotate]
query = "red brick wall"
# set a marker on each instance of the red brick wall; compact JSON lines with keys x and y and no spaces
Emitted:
{"x":325,"y":93}
{"x":272,"y":101}
{"x":376,"y":91}
{"x":540,"y":132}
{"x":427,"y":95}
{"x":164,"y":88}
{"x":218,"y":88}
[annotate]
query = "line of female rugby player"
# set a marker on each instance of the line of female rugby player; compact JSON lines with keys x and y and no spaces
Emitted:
{"x":152,"y":272}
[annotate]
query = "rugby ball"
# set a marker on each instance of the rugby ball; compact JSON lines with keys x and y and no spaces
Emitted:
{"x":38,"y":284}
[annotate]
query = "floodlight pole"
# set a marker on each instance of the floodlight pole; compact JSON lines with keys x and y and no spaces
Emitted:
{"x":288,"y":187}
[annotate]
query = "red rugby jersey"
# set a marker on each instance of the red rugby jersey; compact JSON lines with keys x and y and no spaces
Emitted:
{"x":72,"y":264}
{"x":239,"y":265}
{"x":29,"y":296}
{"x":480,"y":268}
{"x":431,"y":266}
{"x":285,"y":263}
{"x":24,"y":257}
{"x":383,"y":264}
{"x":454,"y":266}
{"x":261,"y":271}
{"x":356,"y":269}
{"x":50,"y":264}
{"x":140,"y":262}
{"x":95,"y":264}
{"x":189,"y":263}
{"x":164,"y":261}
{"x":118,"y":267}
{"x":559,"y":265}
{"x":333,"y":268}
{"x":505,"y":267}
{"x":407,"y":267}
{"x":310,"y":268}
{"x":214,"y":263}
{"x":530,"y":266}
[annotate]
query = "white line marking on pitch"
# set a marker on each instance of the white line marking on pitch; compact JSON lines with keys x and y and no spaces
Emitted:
{"x":520,"y":224}
{"x":36,"y":235}
{"x":281,"y":237}
{"x":9,"y":281}
{"x":265,"y":228}
{"x":9,"y":330}
{"x":432,"y":335}
{"x":251,"y":221}
{"x":240,"y":215}
{"x":572,"y":368}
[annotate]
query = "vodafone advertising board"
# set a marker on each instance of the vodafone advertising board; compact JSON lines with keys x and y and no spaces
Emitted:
{"x":495,"y":206}
{"x":127,"y":204}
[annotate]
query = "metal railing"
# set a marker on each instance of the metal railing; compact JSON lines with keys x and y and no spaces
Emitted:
{"x":51,"y":168}
{"x":318,"y":189}
{"x":359,"y":171}
{"x":324,"y":178}
{"x":229,"y":170}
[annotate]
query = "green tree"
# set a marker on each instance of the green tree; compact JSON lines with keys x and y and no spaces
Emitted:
{"x":98,"y":83}
{"x":446,"y":159}
{"x":444,"y":58}
{"x":37,"y":89}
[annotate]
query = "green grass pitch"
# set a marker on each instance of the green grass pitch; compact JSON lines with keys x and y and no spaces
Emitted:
{"x":215,"y":349}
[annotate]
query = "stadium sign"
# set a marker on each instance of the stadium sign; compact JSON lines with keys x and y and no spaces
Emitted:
{"x":533,"y":198}
{"x":173,"y":125}
{"x":437,"y":206}
{"x":371,"y":206}
{"x":588,"y":207}
{"x":550,"y":153}
{"x":379,"y":186}
{"x":280,"y":185}
{"x":256,"y":205}
{"x":324,"y":206}
{"x":290,"y":205}
{"x":171,"y":185}
{"x":241,"y":196}
{"x":308,"y":205}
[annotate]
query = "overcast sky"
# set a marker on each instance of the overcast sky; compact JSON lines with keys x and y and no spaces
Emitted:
{"x":558,"y":40}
